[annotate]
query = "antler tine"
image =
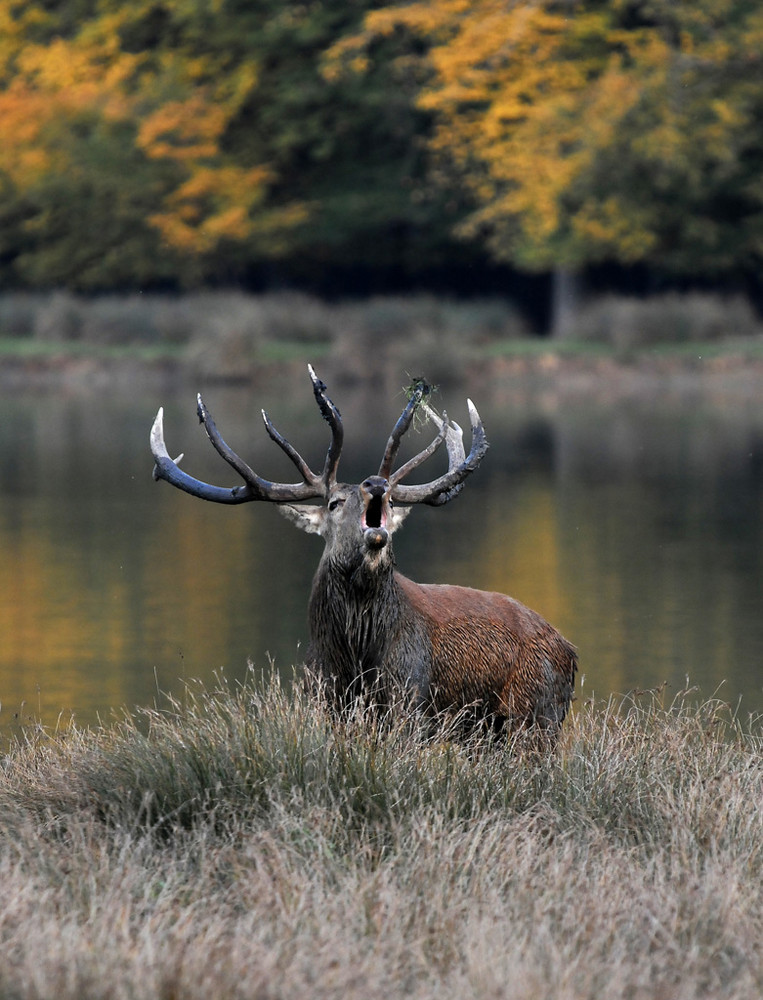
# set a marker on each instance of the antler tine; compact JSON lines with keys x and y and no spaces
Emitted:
{"x":222,"y":449}
{"x":307,"y":473}
{"x":417,"y":460}
{"x":310,"y":487}
{"x":254,"y":488}
{"x":166,"y":468}
{"x":454,"y":436}
{"x":333,"y":418}
{"x":402,"y":425}
{"x":460,"y":465}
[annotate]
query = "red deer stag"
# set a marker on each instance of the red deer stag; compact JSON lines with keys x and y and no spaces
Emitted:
{"x":374,"y":630}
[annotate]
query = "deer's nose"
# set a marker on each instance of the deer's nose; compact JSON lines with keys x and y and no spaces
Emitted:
{"x":376,"y":486}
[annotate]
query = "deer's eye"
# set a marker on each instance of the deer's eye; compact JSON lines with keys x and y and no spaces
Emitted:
{"x":333,"y":504}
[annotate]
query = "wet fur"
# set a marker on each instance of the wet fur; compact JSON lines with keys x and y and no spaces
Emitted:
{"x":376,"y":632}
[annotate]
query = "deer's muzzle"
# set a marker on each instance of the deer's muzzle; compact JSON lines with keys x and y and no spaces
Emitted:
{"x":375,"y":493}
{"x":375,"y":538}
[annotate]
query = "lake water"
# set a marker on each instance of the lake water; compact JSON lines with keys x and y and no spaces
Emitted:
{"x":634,"y":524}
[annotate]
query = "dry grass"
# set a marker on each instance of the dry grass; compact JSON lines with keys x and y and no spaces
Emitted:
{"x":630,"y":324}
{"x":241,"y":846}
{"x":231,"y":335}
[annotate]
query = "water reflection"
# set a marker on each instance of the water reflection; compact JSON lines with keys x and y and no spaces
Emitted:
{"x":635,"y":526}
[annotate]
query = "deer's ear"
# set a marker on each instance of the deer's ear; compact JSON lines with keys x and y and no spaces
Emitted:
{"x":397,"y":516}
{"x":309,"y":517}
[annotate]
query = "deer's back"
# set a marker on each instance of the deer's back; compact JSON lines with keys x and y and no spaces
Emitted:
{"x":490,"y":649}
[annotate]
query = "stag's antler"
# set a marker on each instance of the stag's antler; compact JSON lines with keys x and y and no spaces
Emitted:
{"x":449,"y":485}
{"x":255,"y":487}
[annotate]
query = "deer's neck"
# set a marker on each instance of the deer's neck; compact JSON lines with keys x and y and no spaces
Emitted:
{"x":357,"y":619}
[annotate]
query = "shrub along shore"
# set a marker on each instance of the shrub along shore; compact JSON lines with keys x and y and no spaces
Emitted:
{"x":230,"y":336}
{"x":240,"y":845}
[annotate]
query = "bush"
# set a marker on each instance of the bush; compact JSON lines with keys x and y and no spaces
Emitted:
{"x":384,"y":337}
{"x":17,"y":314}
{"x":630,"y":323}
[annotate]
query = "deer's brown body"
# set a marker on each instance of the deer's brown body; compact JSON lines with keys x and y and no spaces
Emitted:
{"x":450,"y":647}
{"x":372,"y":630}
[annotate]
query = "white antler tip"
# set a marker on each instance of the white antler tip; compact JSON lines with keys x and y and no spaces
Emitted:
{"x":157,"y":429}
{"x":158,"y":447}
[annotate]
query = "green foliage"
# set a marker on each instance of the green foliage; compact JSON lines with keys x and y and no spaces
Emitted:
{"x":172,"y":143}
{"x":591,"y":131}
{"x":155,"y":143}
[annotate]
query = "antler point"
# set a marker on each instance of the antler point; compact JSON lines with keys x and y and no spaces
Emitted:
{"x":157,"y":433}
{"x":201,"y":409}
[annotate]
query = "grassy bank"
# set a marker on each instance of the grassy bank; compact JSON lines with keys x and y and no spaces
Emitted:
{"x":232,"y":336}
{"x":239,"y":846}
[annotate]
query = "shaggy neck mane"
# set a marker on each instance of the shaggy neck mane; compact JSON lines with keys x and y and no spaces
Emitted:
{"x":353,"y":614}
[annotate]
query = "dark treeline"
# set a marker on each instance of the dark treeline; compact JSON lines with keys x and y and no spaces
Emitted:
{"x":359,"y":147}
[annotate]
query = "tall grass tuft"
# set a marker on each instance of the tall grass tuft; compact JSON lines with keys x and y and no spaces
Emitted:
{"x":240,"y":844}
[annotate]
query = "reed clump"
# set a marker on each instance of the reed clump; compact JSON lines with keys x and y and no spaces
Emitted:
{"x":240,"y":844}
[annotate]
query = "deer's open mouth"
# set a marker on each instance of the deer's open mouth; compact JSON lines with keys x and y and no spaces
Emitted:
{"x":374,"y":524}
{"x":374,"y":516}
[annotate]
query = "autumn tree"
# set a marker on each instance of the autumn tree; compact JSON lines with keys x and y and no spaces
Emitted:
{"x":588,"y":131}
{"x":183,"y":141}
{"x":159,"y":140}
{"x":116,"y":150}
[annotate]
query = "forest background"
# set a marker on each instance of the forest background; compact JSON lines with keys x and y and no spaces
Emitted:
{"x":354,"y":147}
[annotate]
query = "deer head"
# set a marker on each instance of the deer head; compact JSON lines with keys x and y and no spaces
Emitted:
{"x":355,"y":521}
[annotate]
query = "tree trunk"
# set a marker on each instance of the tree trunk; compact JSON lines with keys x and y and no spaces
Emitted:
{"x":566,"y":296}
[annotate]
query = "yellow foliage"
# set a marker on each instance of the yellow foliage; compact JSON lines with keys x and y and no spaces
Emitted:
{"x":533,"y":99}
{"x":22,"y":116}
{"x":610,"y":223}
{"x":183,"y":130}
{"x":76,"y":76}
{"x":179,"y":107}
{"x":51,"y":85}
{"x":212,"y":205}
